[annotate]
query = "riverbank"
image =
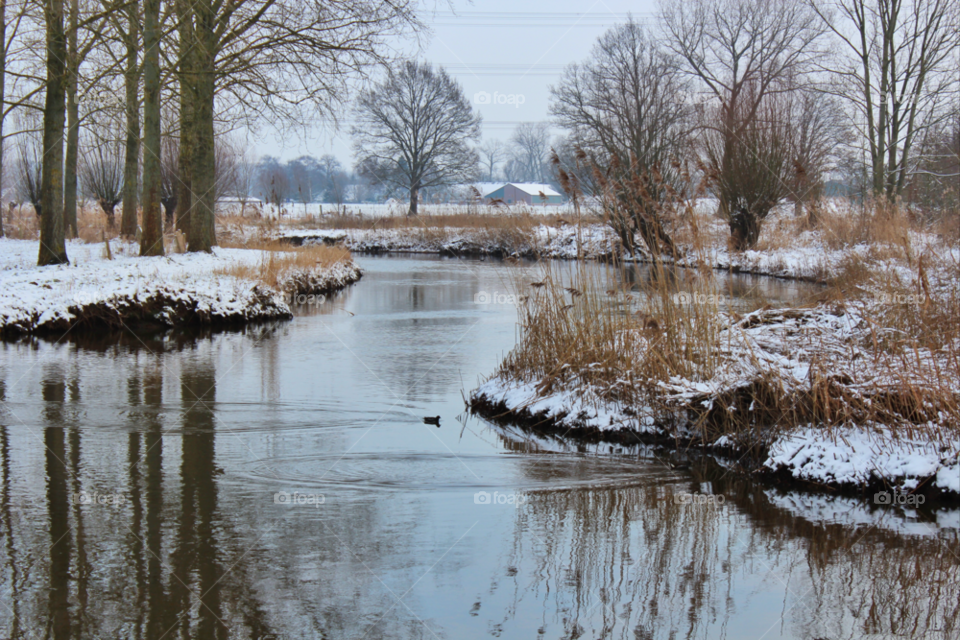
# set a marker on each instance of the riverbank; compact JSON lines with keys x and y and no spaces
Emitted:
{"x":561,"y":242}
{"x":859,"y":392}
{"x":845,"y":241}
{"x":229,"y":286}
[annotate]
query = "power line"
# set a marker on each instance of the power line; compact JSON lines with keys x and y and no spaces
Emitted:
{"x":534,"y":19}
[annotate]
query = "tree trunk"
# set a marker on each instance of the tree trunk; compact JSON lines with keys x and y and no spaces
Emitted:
{"x":184,"y":201}
{"x":414,"y":200}
{"x":151,"y":241}
{"x":744,"y":228}
{"x":53,"y":248}
{"x":73,"y":127}
{"x":3,"y":78}
{"x":202,"y":236}
{"x":169,"y":208}
{"x":108,"y":209}
{"x":131,"y":166}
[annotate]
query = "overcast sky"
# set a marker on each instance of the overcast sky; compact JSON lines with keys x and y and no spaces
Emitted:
{"x":505,"y":53}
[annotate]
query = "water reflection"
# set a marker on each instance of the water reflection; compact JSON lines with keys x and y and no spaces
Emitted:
{"x":197,"y":433}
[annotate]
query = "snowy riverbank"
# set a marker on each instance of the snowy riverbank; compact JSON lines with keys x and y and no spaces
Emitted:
{"x":127,"y":290}
{"x":792,"y":393}
{"x":543,"y":241}
{"x":860,"y":458}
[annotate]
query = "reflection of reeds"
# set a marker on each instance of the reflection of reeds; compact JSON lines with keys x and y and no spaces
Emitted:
{"x":631,"y":562}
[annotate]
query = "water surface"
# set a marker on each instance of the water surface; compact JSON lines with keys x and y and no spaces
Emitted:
{"x":279,"y":481}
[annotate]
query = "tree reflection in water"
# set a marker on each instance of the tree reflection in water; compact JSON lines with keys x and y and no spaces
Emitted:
{"x":197,"y":552}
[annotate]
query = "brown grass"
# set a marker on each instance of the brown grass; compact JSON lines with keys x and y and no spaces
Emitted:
{"x":280,"y":261}
{"x":610,"y":345}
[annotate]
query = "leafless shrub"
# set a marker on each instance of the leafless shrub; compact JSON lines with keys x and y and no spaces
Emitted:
{"x":625,"y":109}
{"x":29,"y":170}
{"x":101,"y":174}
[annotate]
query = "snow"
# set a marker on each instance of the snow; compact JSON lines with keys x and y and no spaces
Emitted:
{"x":852,"y":456}
{"x":169,"y":288}
{"x":297,"y":211}
{"x":544,"y":241}
{"x":777,"y":347}
{"x":858,"y":455}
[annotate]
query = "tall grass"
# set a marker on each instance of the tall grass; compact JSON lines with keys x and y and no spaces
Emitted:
{"x":668,"y":348}
{"x":293,"y":270}
{"x":597,"y":331}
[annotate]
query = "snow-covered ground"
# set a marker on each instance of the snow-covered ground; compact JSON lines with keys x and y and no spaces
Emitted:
{"x":172,"y":290}
{"x":543,"y":241}
{"x":854,"y":456}
{"x":803,"y":255}
{"x":798,"y":357}
{"x":393,"y":208}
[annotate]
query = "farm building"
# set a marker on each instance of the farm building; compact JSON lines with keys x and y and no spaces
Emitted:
{"x":515,"y":193}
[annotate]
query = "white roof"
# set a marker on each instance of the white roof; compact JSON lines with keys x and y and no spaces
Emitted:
{"x":535,"y":189}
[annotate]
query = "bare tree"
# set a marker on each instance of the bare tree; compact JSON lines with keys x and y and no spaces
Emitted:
{"x":29,"y":170}
{"x":492,"y":154}
{"x":84,"y":33}
{"x":741,"y":52}
{"x":301,"y":180}
{"x":819,"y":136}
{"x":626,"y":109}
{"x":11,"y":19}
{"x":226,"y":169}
{"x":273,"y":183}
{"x":936,"y":181}
{"x":530,"y":152}
{"x":334,"y":180}
{"x":283,"y":56}
{"x":898,"y":72}
{"x":246,"y":181}
{"x":169,"y":178}
{"x":750,"y":171}
{"x":413,"y":130}
{"x":102,"y":174}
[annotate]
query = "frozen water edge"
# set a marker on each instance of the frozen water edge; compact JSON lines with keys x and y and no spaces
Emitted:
{"x":174,"y":290}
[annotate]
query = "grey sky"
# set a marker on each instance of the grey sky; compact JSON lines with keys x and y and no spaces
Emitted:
{"x":513,"y":51}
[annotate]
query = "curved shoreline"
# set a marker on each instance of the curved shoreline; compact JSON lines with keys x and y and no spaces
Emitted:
{"x":181,"y":290}
{"x":751,"y":459}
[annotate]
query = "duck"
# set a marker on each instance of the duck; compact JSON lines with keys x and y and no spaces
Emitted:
{"x":434,"y":421}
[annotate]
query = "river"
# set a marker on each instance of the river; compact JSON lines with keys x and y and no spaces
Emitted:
{"x":278,"y":481}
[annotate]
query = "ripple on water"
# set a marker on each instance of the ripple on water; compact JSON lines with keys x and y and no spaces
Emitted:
{"x":415,"y":471}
